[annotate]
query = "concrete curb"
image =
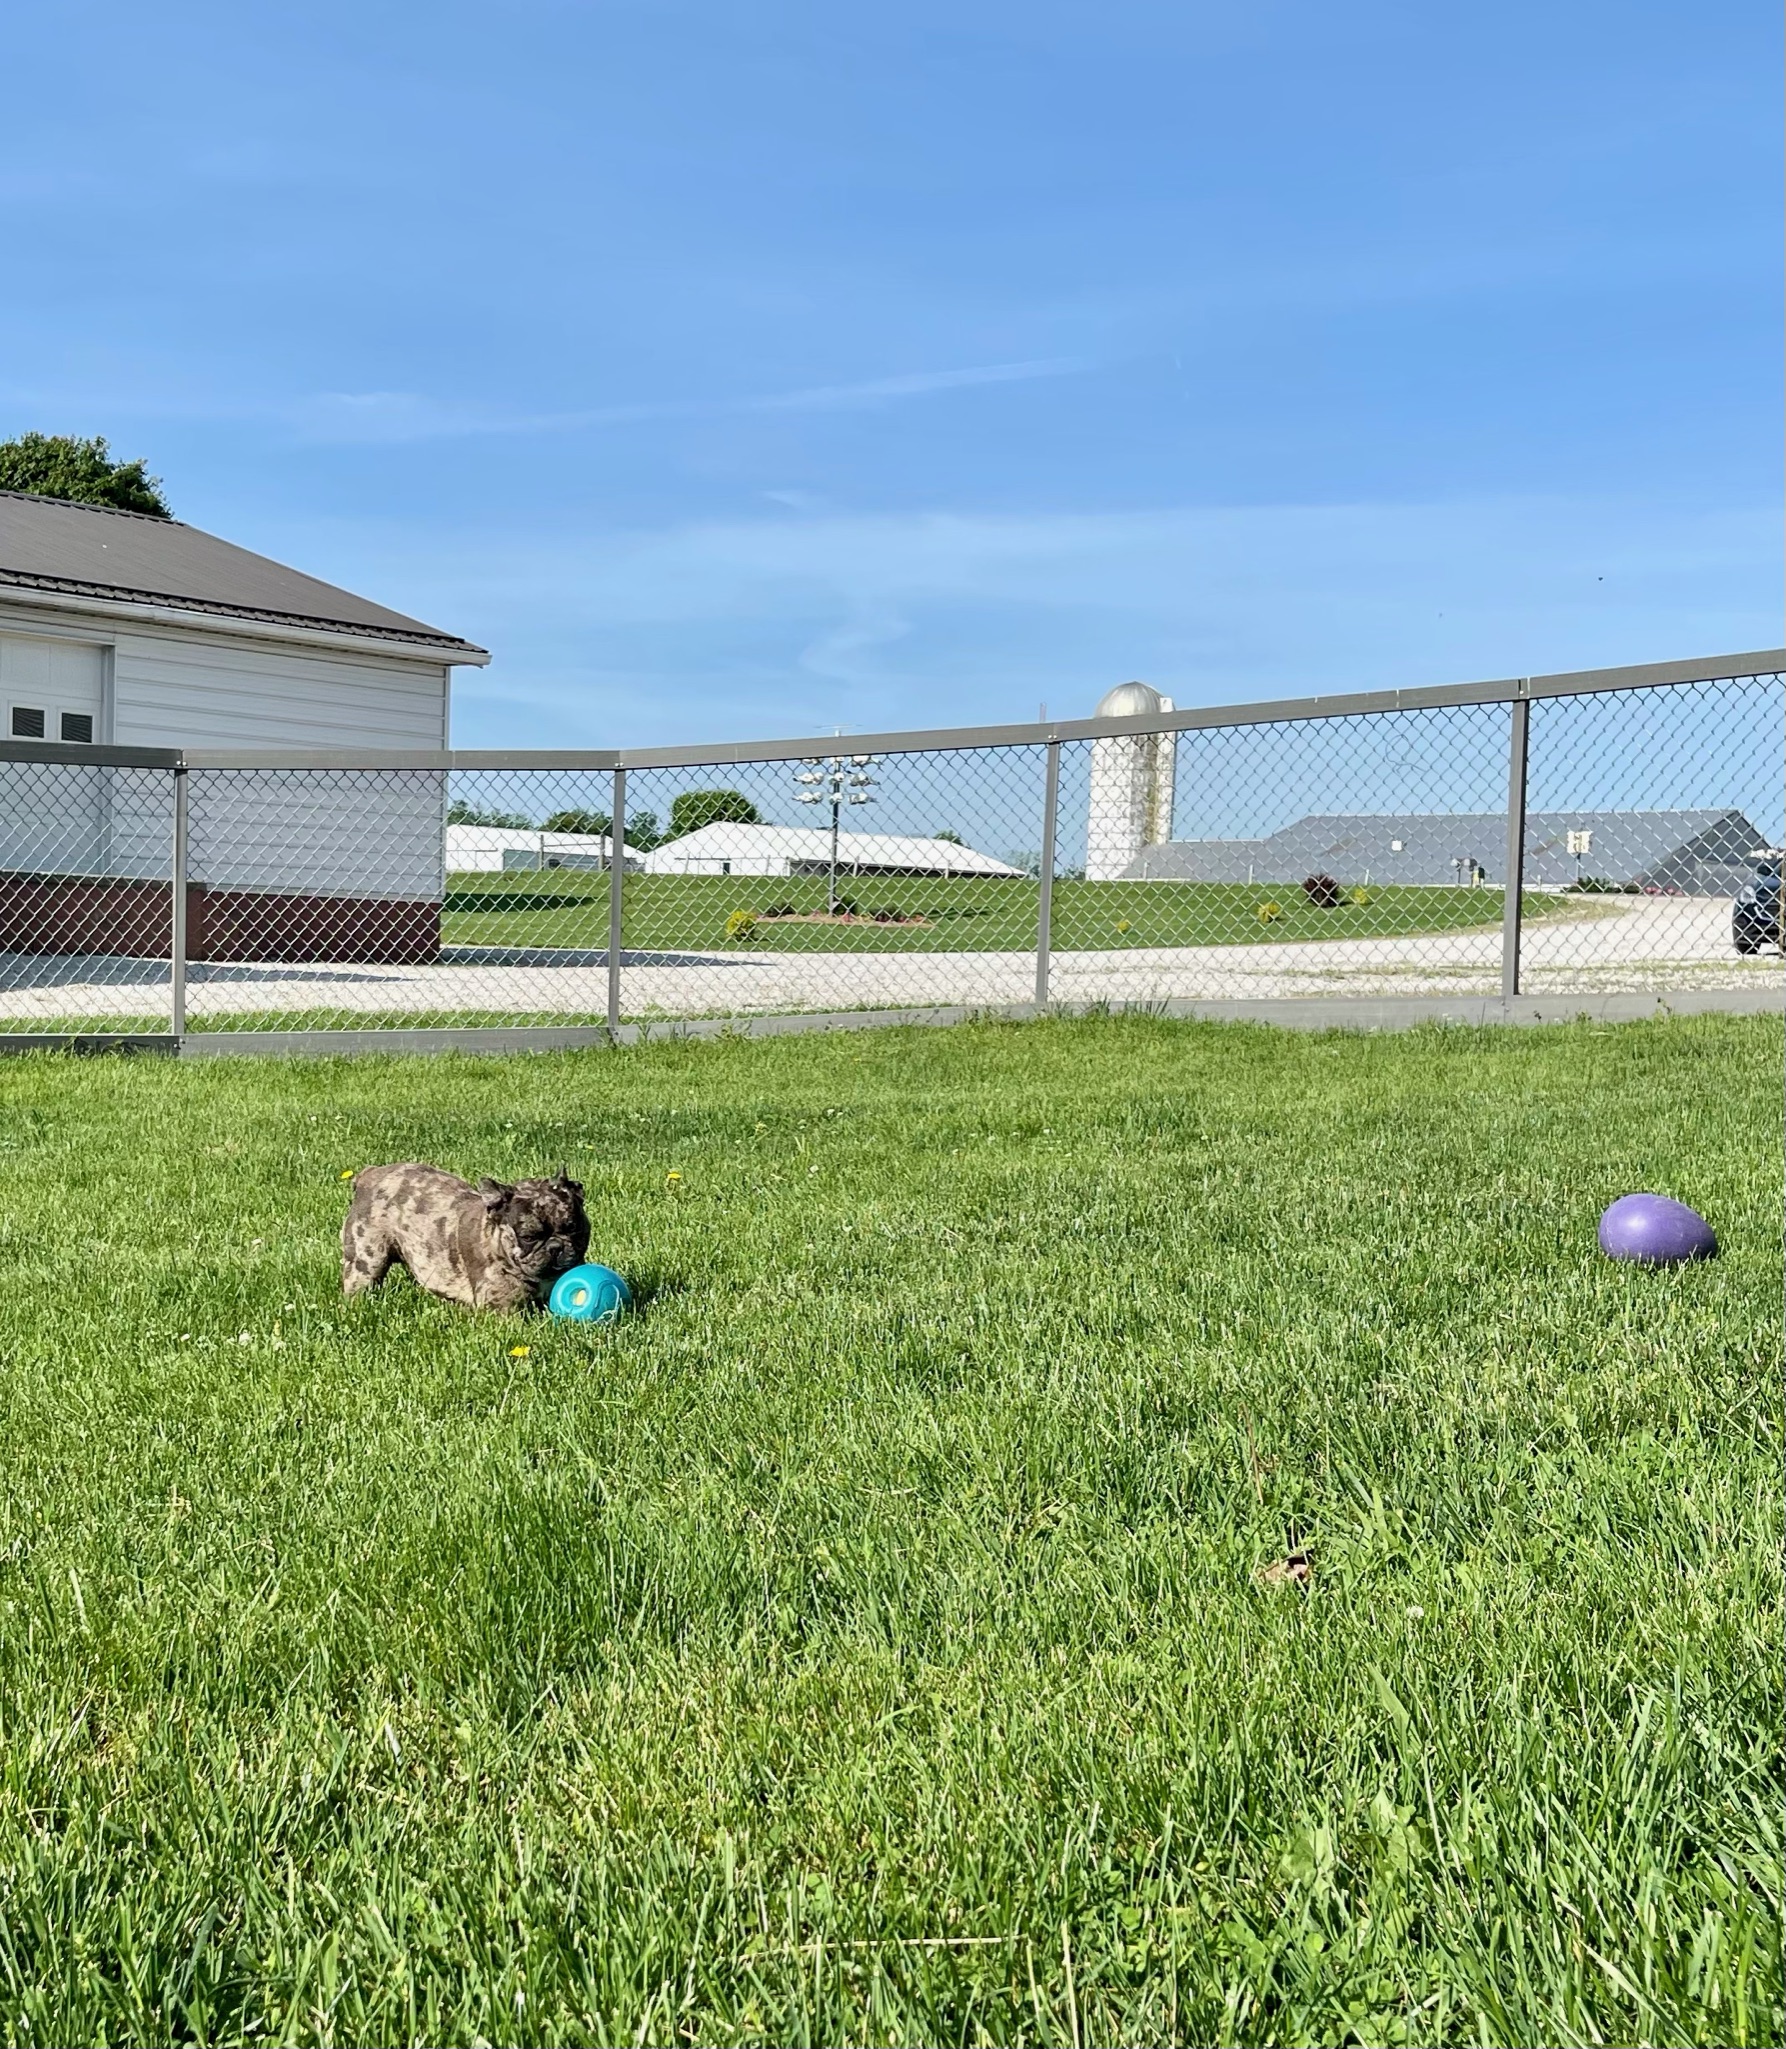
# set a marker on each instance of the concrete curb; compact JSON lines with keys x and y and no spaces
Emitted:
{"x":1357,"y":1014}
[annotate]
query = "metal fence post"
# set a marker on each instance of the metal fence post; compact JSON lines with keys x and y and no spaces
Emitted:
{"x":1045,"y":898}
{"x":1514,"y":888}
{"x":616,"y":879}
{"x":177,"y":913}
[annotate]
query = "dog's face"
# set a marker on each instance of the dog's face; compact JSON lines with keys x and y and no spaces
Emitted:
{"x":538,"y":1227}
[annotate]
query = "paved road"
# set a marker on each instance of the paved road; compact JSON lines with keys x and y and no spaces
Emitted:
{"x":1652,"y":943}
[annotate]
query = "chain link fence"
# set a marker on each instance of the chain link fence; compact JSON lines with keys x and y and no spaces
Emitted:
{"x":86,"y":900}
{"x":1353,"y":848}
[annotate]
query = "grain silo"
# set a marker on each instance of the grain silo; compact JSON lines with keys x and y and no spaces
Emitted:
{"x":1132,"y":775}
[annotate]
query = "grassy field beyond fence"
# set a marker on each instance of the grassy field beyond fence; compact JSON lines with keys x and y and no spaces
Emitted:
{"x":1113,"y":1531}
{"x":569,"y":908}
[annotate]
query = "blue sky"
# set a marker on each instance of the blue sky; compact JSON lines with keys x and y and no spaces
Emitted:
{"x":755,"y":370}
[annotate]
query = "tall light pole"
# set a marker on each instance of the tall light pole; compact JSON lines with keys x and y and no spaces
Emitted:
{"x":837,"y":780}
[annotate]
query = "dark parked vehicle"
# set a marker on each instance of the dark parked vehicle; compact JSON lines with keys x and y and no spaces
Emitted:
{"x":1755,"y":921}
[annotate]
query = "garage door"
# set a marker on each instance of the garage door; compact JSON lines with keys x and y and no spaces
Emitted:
{"x":54,"y":819}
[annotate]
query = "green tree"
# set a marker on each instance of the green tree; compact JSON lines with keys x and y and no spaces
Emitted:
{"x":593,"y":822}
{"x":461,"y":813}
{"x":954,"y":838}
{"x":642,"y":833}
{"x":696,"y":808}
{"x":59,"y":466}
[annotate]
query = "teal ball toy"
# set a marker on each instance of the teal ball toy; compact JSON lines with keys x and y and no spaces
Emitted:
{"x":589,"y":1294}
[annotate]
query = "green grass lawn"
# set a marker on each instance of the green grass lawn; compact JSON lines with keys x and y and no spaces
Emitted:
{"x":564,"y":907}
{"x":866,"y":1641}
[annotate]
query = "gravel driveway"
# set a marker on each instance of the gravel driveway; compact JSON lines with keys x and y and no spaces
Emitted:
{"x":1641,"y":944}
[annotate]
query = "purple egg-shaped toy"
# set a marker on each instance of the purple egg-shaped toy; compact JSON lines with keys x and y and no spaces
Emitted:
{"x":1655,"y":1230}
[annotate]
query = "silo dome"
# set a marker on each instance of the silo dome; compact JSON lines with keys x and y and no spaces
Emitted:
{"x":1129,"y":701}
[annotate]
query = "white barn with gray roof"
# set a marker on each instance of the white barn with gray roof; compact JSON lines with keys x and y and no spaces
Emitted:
{"x":117,"y":628}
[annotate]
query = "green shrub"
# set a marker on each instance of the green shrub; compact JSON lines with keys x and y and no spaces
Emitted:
{"x":740,"y":925}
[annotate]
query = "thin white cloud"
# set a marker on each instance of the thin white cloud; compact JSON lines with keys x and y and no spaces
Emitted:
{"x":378,"y":416}
{"x":919,"y":384}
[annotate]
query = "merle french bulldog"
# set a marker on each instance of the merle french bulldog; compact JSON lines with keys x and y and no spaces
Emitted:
{"x":499,"y":1245}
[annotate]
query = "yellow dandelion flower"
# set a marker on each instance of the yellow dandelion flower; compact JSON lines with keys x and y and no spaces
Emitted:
{"x":672,"y":1179}
{"x":348,"y":1176}
{"x":517,"y":1351}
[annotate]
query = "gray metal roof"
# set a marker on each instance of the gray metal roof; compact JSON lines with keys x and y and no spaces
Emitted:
{"x":1690,"y":849}
{"x":56,"y":545}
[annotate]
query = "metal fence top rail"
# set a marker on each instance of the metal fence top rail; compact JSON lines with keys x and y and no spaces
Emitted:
{"x":1506,"y":690}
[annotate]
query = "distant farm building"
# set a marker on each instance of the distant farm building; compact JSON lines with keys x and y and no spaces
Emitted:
{"x":787,"y":850}
{"x":1697,"y":853}
{"x":490,"y":849}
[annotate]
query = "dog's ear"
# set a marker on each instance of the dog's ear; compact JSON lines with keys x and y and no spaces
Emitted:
{"x":494,"y":1194}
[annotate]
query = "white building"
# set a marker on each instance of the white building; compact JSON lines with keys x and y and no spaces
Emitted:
{"x":489,"y":849}
{"x":731,"y":849}
{"x":1132,"y":778}
{"x":124,"y":630}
